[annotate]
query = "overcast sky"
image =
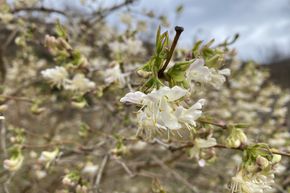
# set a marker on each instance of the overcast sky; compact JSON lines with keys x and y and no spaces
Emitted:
{"x":263,"y":24}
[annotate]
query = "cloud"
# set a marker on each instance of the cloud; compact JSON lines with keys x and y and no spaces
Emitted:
{"x":261,"y":24}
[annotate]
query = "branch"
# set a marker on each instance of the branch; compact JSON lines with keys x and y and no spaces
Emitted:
{"x":189,"y":145}
{"x":101,"y":171}
{"x":176,"y":175}
{"x":221,"y":125}
{"x":101,"y":14}
{"x":7,"y":98}
{"x":38,"y":9}
{"x":3,"y":135}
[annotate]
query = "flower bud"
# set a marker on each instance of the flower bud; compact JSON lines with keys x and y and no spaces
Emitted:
{"x":62,"y":44}
{"x":47,"y":157}
{"x":90,"y":169}
{"x":243,"y":138}
{"x":262,"y":162}
{"x":50,"y":41}
{"x":251,"y":168}
{"x":71,"y":179}
{"x":83,"y":62}
{"x":144,"y":74}
{"x":81,"y":189}
{"x":276,"y":158}
{"x":232,"y":142}
{"x":67,"y":181}
{"x":3,"y":108}
{"x":14,"y":163}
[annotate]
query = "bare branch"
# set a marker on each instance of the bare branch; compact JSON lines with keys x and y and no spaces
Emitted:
{"x":38,"y":9}
{"x":101,"y":171}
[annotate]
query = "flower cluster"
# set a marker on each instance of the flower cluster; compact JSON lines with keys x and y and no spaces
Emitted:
{"x":160,"y":110}
{"x":199,"y":72}
{"x":256,"y":174}
{"x":59,"y":75}
{"x":14,"y":163}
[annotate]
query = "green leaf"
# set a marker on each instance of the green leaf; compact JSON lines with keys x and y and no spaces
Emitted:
{"x":60,"y":30}
{"x":177,"y":72}
{"x":179,"y":9}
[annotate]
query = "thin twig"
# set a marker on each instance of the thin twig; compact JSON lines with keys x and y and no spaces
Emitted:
{"x":38,"y":9}
{"x":16,"y":98}
{"x":101,"y":171}
{"x":221,"y":125}
{"x":175,"y":174}
{"x":101,"y":14}
{"x":3,"y":135}
{"x":126,"y":168}
{"x":189,"y":145}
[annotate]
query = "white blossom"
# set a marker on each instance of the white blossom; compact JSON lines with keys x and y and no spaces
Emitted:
{"x":80,"y":83}
{"x":117,"y":47}
{"x":189,"y":116}
{"x":90,"y":169}
{"x":205,"y":143}
{"x":251,"y":183}
{"x":13,"y":164}
{"x":126,"y":18}
{"x":129,"y":47}
{"x":115,"y":75}
{"x":160,"y":109}
{"x":40,"y":174}
{"x":56,"y":76}
{"x":134,"y":97}
{"x":47,"y":157}
{"x":199,"y":72}
{"x":67,"y":181}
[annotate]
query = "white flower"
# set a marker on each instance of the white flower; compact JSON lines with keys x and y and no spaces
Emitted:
{"x":40,"y":174}
{"x":205,"y":143}
{"x":200,"y":144}
{"x":236,"y":138}
{"x":67,"y":181}
{"x":80,"y":83}
{"x":129,"y":47}
{"x":171,"y":94}
{"x":14,"y":163}
{"x":48,"y":156}
{"x":90,"y":169}
{"x":134,"y":47}
{"x":126,"y":18}
{"x":198,"y":72}
{"x":115,"y":75}
{"x":6,"y":17}
{"x":160,"y":109}
{"x":189,"y":116}
{"x":134,"y":97}
{"x":218,"y":77}
{"x":225,"y":72}
{"x":117,"y":47}
{"x":251,"y":183}
{"x":56,"y":76}
{"x":81,"y":189}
